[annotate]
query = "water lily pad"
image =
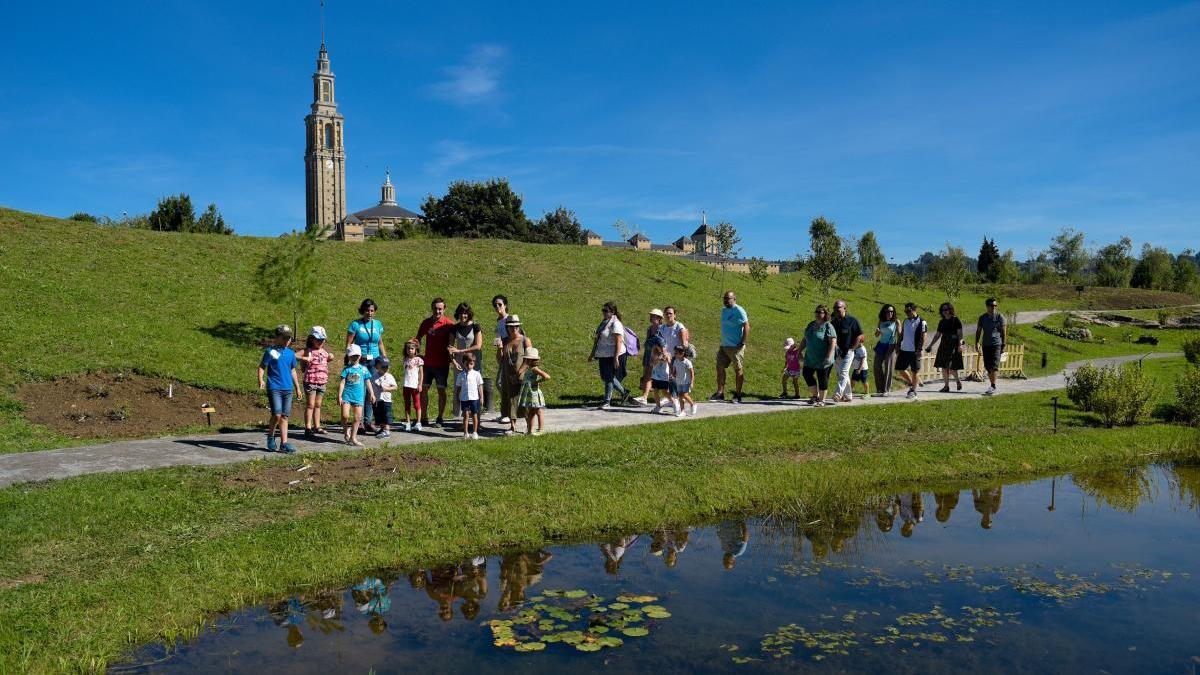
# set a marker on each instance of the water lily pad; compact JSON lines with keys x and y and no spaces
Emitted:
{"x":530,"y":647}
{"x":574,"y":594}
{"x":573,"y":637}
{"x":664,"y":614}
{"x":552,"y":637}
{"x":636,"y":598}
{"x":505,"y":642}
{"x":599,"y":629}
{"x":589,"y":646}
{"x":609,"y":641}
{"x":635,"y":632}
{"x":618,"y":605}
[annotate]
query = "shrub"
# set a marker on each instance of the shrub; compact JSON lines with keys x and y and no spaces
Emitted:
{"x":1191,"y":349}
{"x":1082,"y":385}
{"x":1187,"y":393}
{"x":1119,"y":395}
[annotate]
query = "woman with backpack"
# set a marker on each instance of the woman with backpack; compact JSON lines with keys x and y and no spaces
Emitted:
{"x":609,"y":349}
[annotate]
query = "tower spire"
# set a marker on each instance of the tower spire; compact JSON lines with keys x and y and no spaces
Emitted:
{"x":322,"y":25}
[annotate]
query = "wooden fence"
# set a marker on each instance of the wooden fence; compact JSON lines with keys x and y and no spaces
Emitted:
{"x":1013,"y":366}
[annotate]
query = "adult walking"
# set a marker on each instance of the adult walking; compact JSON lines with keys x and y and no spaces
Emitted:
{"x":673,"y":332}
{"x":652,"y":340}
{"x":608,"y":349}
{"x":436,"y":331}
{"x":735,"y":331}
{"x":367,"y":332}
{"x":512,"y":357}
{"x":993,"y":331}
{"x":949,"y":354}
{"x":912,"y":340}
{"x":466,"y":338}
{"x":500,"y":306}
{"x":849,"y":338}
{"x":819,"y":345}
{"x":889,"y":332}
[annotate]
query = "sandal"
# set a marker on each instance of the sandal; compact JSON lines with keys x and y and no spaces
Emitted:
{"x":320,"y":430}
{"x":944,"y":389}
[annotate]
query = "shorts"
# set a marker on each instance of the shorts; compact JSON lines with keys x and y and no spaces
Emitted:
{"x":730,"y":355}
{"x":679,"y":388}
{"x":861,"y":375}
{"x":991,"y":357}
{"x":357,"y":404}
{"x":436,"y":374}
{"x":908,"y":361}
{"x":791,"y":373}
{"x":383,"y":412}
{"x":281,"y":402}
{"x":314,"y":388}
{"x":817,"y":377}
{"x":660,"y":385}
{"x":469,"y":406}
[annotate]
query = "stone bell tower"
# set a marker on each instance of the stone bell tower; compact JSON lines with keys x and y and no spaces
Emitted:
{"x":324,"y":154}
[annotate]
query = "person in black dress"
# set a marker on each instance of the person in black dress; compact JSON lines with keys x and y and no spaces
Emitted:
{"x":949,"y":354}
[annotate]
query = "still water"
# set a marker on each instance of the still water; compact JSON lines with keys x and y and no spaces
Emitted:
{"x":1092,"y":572}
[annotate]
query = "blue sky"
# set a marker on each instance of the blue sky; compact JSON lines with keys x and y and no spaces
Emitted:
{"x":928,"y":122}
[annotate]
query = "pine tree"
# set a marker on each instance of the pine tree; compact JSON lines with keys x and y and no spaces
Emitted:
{"x":989,"y":259}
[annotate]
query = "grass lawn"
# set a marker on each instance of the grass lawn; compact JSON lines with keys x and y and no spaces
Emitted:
{"x":76,"y":297}
{"x":94,"y":566}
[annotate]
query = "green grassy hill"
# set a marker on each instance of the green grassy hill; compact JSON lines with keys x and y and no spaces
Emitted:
{"x":76,"y":297}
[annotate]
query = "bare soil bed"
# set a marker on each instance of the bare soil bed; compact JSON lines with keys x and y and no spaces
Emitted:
{"x":277,"y":477}
{"x":124,"y":405}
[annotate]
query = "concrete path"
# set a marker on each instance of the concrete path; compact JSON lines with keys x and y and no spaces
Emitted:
{"x":211,"y":449}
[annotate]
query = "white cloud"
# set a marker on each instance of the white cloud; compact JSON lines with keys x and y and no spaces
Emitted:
{"x":447,"y":155}
{"x":476,"y":79}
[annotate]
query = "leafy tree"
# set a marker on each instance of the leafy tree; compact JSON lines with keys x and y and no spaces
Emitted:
{"x":406,"y":229}
{"x":989,"y":260}
{"x":829,"y":255}
{"x":288,"y":276}
{"x":758,"y":270}
{"x":873,"y":263}
{"x":212,"y":222}
{"x":1068,"y":253}
{"x":559,"y":226}
{"x":1187,"y":277}
{"x":1114,"y":264}
{"x":1154,"y":270}
{"x":950,"y":271}
{"x":84,"y":217}
{"x":727,"y":242}
{"x":487,"y":209}
{"x":1038,"y":269}
{"x":174,"y":214}
{"x":1006,"y":269}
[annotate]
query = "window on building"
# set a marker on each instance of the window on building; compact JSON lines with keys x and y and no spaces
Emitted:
{"x":326,"y":96}
{"x":328,"y":136}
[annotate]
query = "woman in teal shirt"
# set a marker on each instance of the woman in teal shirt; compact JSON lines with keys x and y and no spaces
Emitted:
{"x":888,"y":330}
{"x":367,"y":332}
{"x":818,"y":345}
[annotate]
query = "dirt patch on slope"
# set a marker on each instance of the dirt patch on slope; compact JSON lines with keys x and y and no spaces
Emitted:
{"x":279,"y":477}
{"x":123,"y":405}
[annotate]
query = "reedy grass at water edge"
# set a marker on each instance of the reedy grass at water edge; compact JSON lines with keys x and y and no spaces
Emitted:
{"x":94,"y":566}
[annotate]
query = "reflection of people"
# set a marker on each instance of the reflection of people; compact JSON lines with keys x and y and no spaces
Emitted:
{"x":669,"y":543}
{"x":912,"y":512}
{"x":734,"y":535}
{"x":371,"y":598}
{"x":289,"y":613}
{"x":946,"y":501}
{"x":987,"y":503}
{"x":885,"y":515}
{"x":475,"y":586}
{"x":440,"y":587}
{"x":519,"y":571}
{"x":614,"y":552}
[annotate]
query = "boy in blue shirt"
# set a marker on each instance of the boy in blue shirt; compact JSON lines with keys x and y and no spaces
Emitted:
{"x":279,"y":365}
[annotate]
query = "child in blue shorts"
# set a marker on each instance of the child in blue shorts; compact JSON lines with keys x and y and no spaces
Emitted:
{"x":278,"y":363}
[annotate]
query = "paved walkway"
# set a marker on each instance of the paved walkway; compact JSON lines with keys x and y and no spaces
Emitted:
{"x":211,"y":449}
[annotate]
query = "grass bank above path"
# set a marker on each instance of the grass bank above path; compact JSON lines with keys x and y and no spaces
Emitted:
{"x":91,"y":567}
{"x":76,"y":297}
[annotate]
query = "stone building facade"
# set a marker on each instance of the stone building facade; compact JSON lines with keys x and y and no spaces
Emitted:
{"x":701,"y":246}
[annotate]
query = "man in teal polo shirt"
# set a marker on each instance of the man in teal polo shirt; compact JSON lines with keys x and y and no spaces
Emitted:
{"x":735,"y":329}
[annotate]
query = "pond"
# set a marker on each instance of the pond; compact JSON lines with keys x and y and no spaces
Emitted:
{"x":1089,"y":572}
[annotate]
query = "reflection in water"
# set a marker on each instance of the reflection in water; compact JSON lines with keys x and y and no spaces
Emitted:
{"x":871,"y":583}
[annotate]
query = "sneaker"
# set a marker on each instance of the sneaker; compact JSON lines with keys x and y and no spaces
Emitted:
{"x":679,"y":412}
{"x":657,"y":409}
{"x":737,"y":398}
{"x":604,"y":406}
{"x":384,"y":434}
{"x":509,"y":432}
{"x":882,"y":393}
{"x":504,"y":420}
{"x":287,"y":449}
{"x":417,"y":426}
{"x":271,"y":443}
{"x":866,"y":397}
{"x":959,"y":385}
{"x":692,"y":409}
{"x":717,"y":397}
{"x":944,"y":390}
{"x":641,"y":400}
{"x":991,"y":391}
{"x":475,"y":436}
{"x":538,"y":432}
{"x":784,"y":394}
{"x":912,"y":393}
{"x":368,"y":428}
{"x":408,"y":426}
{"x":439,"y":422}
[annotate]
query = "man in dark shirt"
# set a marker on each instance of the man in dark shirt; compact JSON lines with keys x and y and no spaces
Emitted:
{"x":992,"y":330}
{"x":849,"y":338}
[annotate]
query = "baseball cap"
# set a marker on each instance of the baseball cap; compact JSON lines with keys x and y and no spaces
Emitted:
{"x":283,"y":329}
{"x":532,"y":353}
{"x":787,"y":344}
{"x":656,"y":312}
{"x":353,"y":350}
{"x":382,"y":362}
{"x":318,"y":332}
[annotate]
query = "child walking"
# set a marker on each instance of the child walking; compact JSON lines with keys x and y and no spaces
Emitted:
{"x":682,"y":374}
{"x":862,"y":372}
{"x":278,"y":363}
{"x":316,"y":377}
{"x":791,"y":367}
{"x":414,"y":375}
{"x":382,"y":386}
{"x":469,"y":386}
{"x":660,"y":378}
{"x":531,"y":398}
{"x":352,"y":394}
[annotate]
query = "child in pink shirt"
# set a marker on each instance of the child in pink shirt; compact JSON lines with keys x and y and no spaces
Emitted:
{"x":791,"y":367}
{"x":315,"y":360}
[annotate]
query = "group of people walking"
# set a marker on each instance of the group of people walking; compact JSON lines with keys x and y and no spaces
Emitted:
{"x":448,"y":354}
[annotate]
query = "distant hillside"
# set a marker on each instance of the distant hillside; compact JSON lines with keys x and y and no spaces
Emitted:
{"x":77,"y":297}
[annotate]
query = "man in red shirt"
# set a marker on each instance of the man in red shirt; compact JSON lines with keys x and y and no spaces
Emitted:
{"x":436,"y":330}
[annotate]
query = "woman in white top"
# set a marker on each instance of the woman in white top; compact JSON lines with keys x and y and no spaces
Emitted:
{"x":672,"y":332}
{"x":608,"y":349}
